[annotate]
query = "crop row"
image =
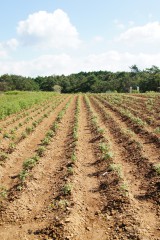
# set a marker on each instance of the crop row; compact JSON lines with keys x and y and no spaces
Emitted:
{"x":20,"y":132}
{"x":10,"y":104}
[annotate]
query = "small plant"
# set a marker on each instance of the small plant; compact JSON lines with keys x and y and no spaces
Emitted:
{"x":67,"y":189}
{"x":28,"y":130}
{"x":11,"y":147}
{"x":124,"y":188}
{"x":46,"y":141}
{"x":73,"y":157}
{"x":30,"y":163}
{"x":45,"y":115}
{"x":12,"y":131}
{"x":3,"y":192}
{"x":6,"y":135}
{"x":70,"y":170}
{"x":138,"y":121}
{"x":100,"y":130}
{"x":23,"y":135}
{"x":23,"y":174}
{"x":3,"y":156}
{"x":20,"y":124}
{"x":157,"y":130}
{"x":75,"y":135}
{"x":40,"y":151}
{"x":50,"y":133}
{"x":63,"y":203}
{"x":107,"y":155}
{"x":34,"y":124}
{"x":116,"y":168}
{"x":55,"y":126}
{"x":103,"y":147}
{"x":19,"y":187}
{"x":157,"y":168}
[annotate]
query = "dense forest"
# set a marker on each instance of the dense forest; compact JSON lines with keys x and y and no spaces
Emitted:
{"x":98,"y":81}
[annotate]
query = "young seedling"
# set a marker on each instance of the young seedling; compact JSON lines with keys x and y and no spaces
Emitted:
{"x":11,"y":147}
{"x":73,"y":157}
{"x":23,"y":174}
{"x":70,"y":170}
{"x":40,"y":151}
{"x":157,"y":168}
{"x":30,"y":163}
{"x":124,"y":188}
{"x":3,"y":156}
{"x":67,"y":189}
{"x":46,"y":141}
{"x":3,"y":192}
{"x":117,"y":168}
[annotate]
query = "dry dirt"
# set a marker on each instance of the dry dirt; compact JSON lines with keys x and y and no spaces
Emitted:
{"x":96,"y":207}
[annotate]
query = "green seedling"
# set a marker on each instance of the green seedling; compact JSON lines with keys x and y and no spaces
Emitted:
{"x":107,"y":155}
{"x":157,"y":130}
{"x":73,"y":157}
{"x":67,"y":189}
{"x":23,"y":174}
{"x":3,"y":192}
{"x":50,"y":133}
{"x":3,"y":156}
{"x":124,"y":188}
{"x":70,"y":170}
{"x":46,"y":141}
{"x":116,"y":168}
{"x":30,"y":163}
{"x":28,"y":130}
{"x":157,"y":168}
{"x":40,"y":151}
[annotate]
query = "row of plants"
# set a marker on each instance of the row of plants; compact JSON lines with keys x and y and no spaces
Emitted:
{"x":31,"y":120}
{"x":150,"y":174}
{"x":66,"y":189}
{"x":147,"y":111}
{"x":15,"y":139}
{"x":133,"y":108}
{"x":29,"y":163}
{"x":10,"y":104}
{"x":61,"y":202}
{"x":113,"y":186}
{"x":23,"y":115}
{"x":107,"y":154}
{"x":135,"y":123}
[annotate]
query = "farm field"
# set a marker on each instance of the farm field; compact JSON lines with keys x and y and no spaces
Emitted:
{"x":80,"y":166}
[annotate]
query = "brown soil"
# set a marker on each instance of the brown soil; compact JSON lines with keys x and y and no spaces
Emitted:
{"x":25,"y":212}
{"x":5,"y":142}
{"x":96,"y":208}
{"x":144,"y":211}
{"x":25,"y":149}
{"x":84,"y":221}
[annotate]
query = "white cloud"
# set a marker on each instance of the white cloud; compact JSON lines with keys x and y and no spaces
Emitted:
{"x":66,"y":64}
{"x":98,"y":39}
{"x":48,"y":30}
{"x":116,"y":61}
{"x":6,"y":47}
{"x":131,"y":23}
{"x":3,"y":52}
{"x":12,"y":44}
{"x":149,"y":33}
{"x":119,"y":24}
{"x":43,"y":65}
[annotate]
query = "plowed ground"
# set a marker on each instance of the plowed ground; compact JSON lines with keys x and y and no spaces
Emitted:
{"x":81,"y":198}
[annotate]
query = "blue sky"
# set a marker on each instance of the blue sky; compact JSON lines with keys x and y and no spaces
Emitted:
{"x":48,"y":37}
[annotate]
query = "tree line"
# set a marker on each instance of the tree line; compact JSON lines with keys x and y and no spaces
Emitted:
{"x":96,"y":81}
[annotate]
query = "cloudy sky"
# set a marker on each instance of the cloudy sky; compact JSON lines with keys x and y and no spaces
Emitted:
{"x":45,"y":37}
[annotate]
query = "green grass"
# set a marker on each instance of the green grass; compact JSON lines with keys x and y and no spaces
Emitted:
{"x":14,"y":102}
